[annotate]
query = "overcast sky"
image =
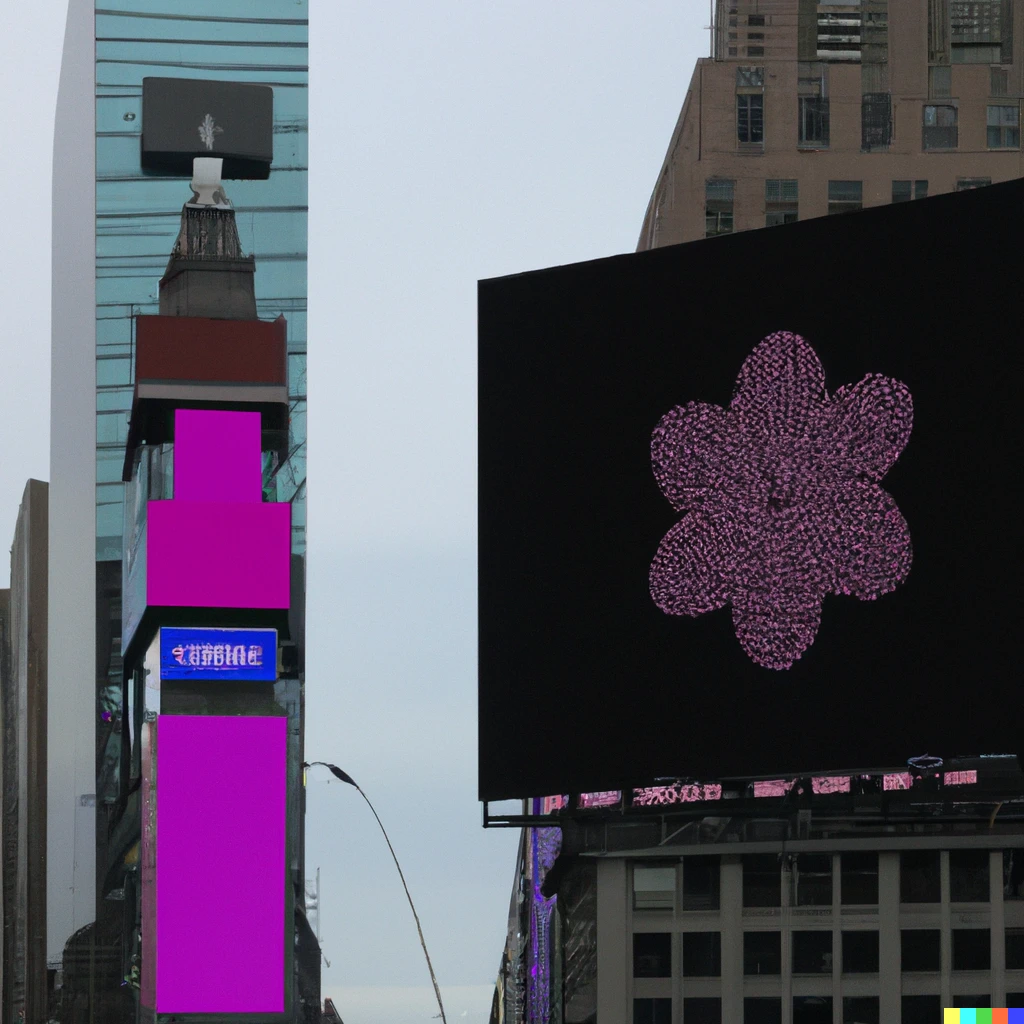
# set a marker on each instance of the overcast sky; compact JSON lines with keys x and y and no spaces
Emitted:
{"x":449,"y":142}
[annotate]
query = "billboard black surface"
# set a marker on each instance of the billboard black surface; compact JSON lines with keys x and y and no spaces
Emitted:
{"x":183,"y":118}
{"x":750,"y":505}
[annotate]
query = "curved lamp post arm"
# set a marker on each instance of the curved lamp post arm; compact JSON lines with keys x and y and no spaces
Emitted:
{"x":345,"y":777}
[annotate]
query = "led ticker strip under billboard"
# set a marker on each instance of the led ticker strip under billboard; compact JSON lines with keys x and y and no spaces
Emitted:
{"x":220,"y":864}
{"x":226,"y":654}
{"x":685,"y":793}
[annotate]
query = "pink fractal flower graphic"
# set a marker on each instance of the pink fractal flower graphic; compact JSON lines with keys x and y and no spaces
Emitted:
{"x":782,"y":500}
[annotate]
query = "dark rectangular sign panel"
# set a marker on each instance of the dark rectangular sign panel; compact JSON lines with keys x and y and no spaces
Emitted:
{"x":238,"y":654}
{"x":750,"y":505}
{"x":183,"y":118}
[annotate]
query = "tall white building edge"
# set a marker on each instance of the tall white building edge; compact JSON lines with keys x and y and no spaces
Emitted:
{"x":71,"y":696}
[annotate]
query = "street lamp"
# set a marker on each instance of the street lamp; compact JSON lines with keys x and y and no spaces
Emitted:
{"x":345,"y":777}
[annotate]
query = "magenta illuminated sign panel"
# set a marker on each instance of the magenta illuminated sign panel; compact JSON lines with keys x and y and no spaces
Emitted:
{"x":218,"y":555}
{"x":217,"y":456}
{"x":217,"y":544}
{"x":220,"y":864}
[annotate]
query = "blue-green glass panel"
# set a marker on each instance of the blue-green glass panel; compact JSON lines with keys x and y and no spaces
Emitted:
{"x":112,"y":399}
{"x":113,"y":371}
{"x":109,"y":465}
{"x":109,"y":494}
{"x":114,"y":332}
{"x":184,"y":29}
{"x":111,"y":428}
{"x":271,"y":12}
{"x":297,"y":375}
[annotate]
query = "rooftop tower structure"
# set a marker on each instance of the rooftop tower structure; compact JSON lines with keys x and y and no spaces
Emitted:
{"x":147,"y":86}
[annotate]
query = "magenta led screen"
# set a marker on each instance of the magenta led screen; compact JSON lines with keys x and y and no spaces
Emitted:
{"x":217,"y":456}
{"x":218,"y":554}
{"x":220,"y":864}
{"x":749,"y":505}
{"x":217,"y":544}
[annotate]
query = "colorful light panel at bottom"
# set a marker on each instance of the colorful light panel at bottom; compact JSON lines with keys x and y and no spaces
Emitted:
{"x":220,"y":864}
{"x":983,"y":1016}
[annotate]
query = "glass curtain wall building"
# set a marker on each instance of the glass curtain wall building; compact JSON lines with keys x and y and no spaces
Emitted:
{"x":114,"y":227}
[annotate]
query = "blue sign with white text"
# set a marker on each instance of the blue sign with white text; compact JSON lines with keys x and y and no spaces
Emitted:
{"x":248,"y":655}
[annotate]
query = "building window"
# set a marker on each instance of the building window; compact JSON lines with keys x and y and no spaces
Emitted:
{"x":1015,"y":950}
{"x":654,"y":887}
{"x":814,"y":121}
{"x":921,"y":1009}
{"x":860,"y":1010}
{"x":1004,"y":127}
{"x":755,"y":51}
{"x":999,"y":81}
{"x":702,"y":1011}
{"x":781,"y":202}
{"x":940,"y":82}
{"x":812,"y":1010}
{"x":919,"y":876}
{"x":940,"y":127}
{"x":979,"y":999}
{"x":860,"y":952}
{"x":763,"y":1010}
{"x":968,"y":876}
{"x":976,"y":33}
{"x":1015,"y":998}
{"x":750,"y":118}
{"x":762,"y":880}
{"x":755,"y":35}
{"x":812,"y":880}
{"x":813,"y":105}
{"x":1013,"y":874}
{"x":845,"y":196}
{"x":812,"y":952}
{"x":966,"y":184}
{"x":652,"y":1011}
{"x":700,"y":883}
{"x":762,"y":953}
{"x":733,"y":51}
{"x":749,"y":78}
{"x":971,"y":951}
{"x":904,"y":191}
{"x":755,"y":20}
{"x":920,"y":949}
{"x":875,"y":121}
{"x":718,"y":198}
{"x":875,"y":34}
{"x":652,"y":955}
{"x":839,"y":34}
{"x":702,"y":954}
{"x":859,"y":878}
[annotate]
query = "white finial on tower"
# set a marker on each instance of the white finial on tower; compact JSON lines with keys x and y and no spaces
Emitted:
{"x":207,"y":188}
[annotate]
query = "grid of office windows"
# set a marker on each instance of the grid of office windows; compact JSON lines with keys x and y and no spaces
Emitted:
{"x":809,"y":923}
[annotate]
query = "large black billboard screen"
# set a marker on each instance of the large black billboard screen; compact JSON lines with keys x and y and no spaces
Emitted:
{"x":749,"y":505}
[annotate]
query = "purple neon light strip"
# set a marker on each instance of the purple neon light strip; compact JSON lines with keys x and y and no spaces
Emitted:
{"x":220,"y":864}
{"x":217,"y":456}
